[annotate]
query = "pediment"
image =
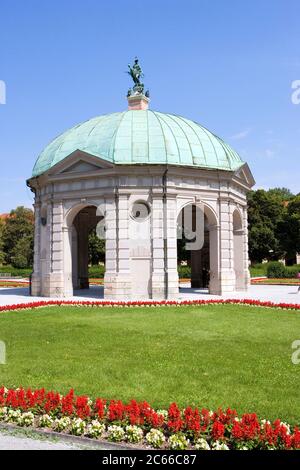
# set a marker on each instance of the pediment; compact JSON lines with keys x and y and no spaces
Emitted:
{"x":244,"y":176}
{"x":79,"y":162}
{"x":81,"y":167}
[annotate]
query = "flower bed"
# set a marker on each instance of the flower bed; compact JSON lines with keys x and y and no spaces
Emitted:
{"x":148,"y":303}
{"x":138,"y":423}
{"x":13,"y":283}
{"x":276,"y":281}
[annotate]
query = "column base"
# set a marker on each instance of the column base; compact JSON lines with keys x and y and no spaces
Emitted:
{"x":158,"y":285}
{"x":222,"y":284}
{"x":35,"y":285}
{"x":52,"y":285}
{"x":243,"y":280}
{"x":117,"y":286}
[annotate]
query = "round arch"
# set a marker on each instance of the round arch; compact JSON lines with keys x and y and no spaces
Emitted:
{"x":204,"y":260}
{"x":80,"y":220}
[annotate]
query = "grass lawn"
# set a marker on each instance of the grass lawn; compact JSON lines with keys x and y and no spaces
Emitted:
{"x":210,"y":356}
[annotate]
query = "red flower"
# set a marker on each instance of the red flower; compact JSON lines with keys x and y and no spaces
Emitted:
{"x":218,"y":430}
{"x":115,"y":410}
{"x":174,"y":418}
{"x":83,"y":409}
{"x":100,"y":408}
{"x":67,"y":403}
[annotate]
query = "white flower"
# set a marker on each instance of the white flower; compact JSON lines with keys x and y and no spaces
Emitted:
{"x":217,"y":445}
{"x":134,"y":434}
{"x":178,"y":442}
{"x":3,"y":413}
{"x":264,"y":422}
{"x":155,"y":438}
{"x":116,"y":433}
{"x":26,"y":419}
{"x":13,"y":416}
{"x":78,"y":427}
{"x":202,"y":444}
{"x":94,"y":429}
{"x":163,"y":413}
{"x":61,"y":424}
{"x":286,"y":426}
{"x":45,"y":421}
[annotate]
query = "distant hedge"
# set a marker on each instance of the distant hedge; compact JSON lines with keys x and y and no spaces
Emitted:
{"x":15,"y":272}
{"x":97,"y":272}
{"x":277,"y":270}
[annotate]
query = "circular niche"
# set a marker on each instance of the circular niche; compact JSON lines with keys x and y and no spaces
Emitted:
{"x":140,"y":211}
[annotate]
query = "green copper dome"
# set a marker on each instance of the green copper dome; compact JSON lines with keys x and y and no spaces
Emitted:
{"x":142,"y":137}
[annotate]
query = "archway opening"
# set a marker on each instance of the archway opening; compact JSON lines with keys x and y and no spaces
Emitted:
{"x":88,"y":250}
{"x":193,"y":246}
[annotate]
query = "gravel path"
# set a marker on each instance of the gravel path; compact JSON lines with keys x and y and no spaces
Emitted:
{"x":288,"y":294}
{"x":18,"y":442}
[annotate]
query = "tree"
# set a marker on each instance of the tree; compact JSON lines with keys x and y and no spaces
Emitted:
{"x":96,"y":249}
{"x":284,"y":194}
{"x":22,"y":253}
{"x":1,"y":242}
{"x":290,"y":229}
{"x":18,"y":236}
{"x":266,"y":212}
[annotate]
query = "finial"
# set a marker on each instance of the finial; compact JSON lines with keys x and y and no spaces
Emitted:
{"x":137,"y":99}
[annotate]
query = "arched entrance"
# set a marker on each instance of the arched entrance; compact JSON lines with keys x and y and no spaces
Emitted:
{"x":81,"y":224}
{"x":197,"y":245}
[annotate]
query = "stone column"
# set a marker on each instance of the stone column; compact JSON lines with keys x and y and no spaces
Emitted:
{"x":74,"y":250}
{"x":214,"y":260}
{"x":36,"y":275}
{"x":247,"y":277}
{"x":173,"y":280}
{"x":196,"y":269}
{"x":164,"y":258}
{"x":158,"y":273}
{"x":82,"y":250}
{"x":227,"y":274}
{"x":238,"y":241}
{"x":67,"y":233}
{"x":54,"y":281}
{"x":117,"y":279}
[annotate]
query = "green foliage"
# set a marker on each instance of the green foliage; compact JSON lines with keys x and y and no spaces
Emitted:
{"x":15,"y":272}
{"x":258,"y":269}
{"x":279,"y":271}
{"x":290,"y":228}
{"x":22,"y":253}
{"x":276,"y":270}
{"x":184,"y":272}
{"x":18,"y":237}
{"x":96,"y":249}
{"x":274,"y":224}
{"x":284,"y":194}
{"x":97,"y":272}
{"x":2,"y":257}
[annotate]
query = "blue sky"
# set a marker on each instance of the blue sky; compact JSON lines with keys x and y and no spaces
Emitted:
{"x":228,"y":64}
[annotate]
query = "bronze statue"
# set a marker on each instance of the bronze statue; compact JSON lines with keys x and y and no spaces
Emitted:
{"x":136,"y":74}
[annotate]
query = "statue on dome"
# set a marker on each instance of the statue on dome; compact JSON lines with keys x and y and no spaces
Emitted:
{"x":136,"y":74}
